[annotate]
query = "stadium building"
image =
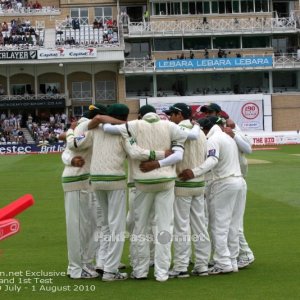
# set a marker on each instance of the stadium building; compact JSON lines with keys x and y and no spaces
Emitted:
{"x":64,"y":55}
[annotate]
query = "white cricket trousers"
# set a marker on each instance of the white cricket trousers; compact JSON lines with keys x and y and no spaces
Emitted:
{"x":244,"y":252}
{"x":80,"y":231}
{"x":189,"y":213}
{"x":162,"y":203}
{"x":130,"y":223}
{"x":225,"y":217}
{"x":113,"y":223}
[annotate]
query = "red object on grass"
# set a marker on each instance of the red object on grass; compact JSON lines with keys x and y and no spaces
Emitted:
{"x":16,"y":207}
{"x":8,"y":227}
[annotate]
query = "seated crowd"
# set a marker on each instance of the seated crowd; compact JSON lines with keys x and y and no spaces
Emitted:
{"x":42,"y":131}
{"x":19,"y":32}
{"x":19,"y":5}
{"x":10,"y":129}
{"x":71,"y":32}
{"x":47,"y":131}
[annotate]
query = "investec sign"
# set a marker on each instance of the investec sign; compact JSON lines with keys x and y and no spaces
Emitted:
{"x":67,"y":53}
{"x":18,"y":55}
{"x":217,"y":63}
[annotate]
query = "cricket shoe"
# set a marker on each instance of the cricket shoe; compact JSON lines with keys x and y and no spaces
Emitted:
{"x":211,"y":264}
{"x":132,"y":276}
{"x":162,"y":278}
{"x":216,"y":270}
{"x":234,"y":265}
{"x":114,"y":276}
{"x":199,"y":273}
{"x":178,"y":274}
{"x":89,"y":268}
{"x":99,"y":271}
{"x":245,"y":262}
{"x":85,"y":275}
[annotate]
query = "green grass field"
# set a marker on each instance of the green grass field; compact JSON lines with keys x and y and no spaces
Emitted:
{"x":272,"y":225}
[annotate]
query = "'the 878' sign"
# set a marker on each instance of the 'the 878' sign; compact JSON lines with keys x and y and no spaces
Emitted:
{"x":250,"y":110}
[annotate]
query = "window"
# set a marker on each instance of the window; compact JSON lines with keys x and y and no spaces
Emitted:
{"x":185,"y":8}
{"x":160,"y":8}
{"x":285,"y":79}
{"x":196,"y":43}
{"x":235,"y":6}
{"x":199,"y":7}
{"x":138,"y":49}
{"x":105,"y":90}
{"x":206,"y":7}
{"x":20,"y":89}
{"x":81,"y":90}
{"x":50,"y":88}
{"x":246,"y":6}
{"x":81,"y":14}
{"x":214,"y":7}
{"x":256,"y":42}
{"x":230,"y":42}
{"x":79,"y":110}
{"x":167,"y":44}
{"x":103,"y":14}
{"x":138,"y":86}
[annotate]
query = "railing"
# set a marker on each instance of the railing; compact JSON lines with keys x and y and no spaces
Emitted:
{"x":32,"y":97}
{"x":86,"y":35}
{"x":283,"y":60}
{"x":47,"y":10}
{"x":234,"y":25}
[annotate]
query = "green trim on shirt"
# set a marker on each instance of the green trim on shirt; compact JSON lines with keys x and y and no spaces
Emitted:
{"x":154,"y":181}
{"x":189,"y":184}
{"x":152,"y":120}
{"x":69,"y":179}
{"x":95,"y":178}
{"x":130,"y":184}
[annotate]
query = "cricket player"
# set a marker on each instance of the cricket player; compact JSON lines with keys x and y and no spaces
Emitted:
{"x":244,"y":143}
{"x":155,"y":189}
{"x":189,"y":208}
{"x":226,"y":189}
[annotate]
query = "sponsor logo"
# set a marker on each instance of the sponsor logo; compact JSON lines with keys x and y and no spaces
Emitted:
{"x":250,"y":110}
{"x":249,"y":125}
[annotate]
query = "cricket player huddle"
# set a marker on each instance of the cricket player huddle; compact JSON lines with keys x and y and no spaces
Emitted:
{"x":185,"y":187}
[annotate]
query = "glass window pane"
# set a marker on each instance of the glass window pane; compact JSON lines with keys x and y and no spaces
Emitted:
{"x":206,"y":7}
{"x":250,"y":6}
{"x":74,"y":13}
{"x":196,"y":43}
{"x":185,"y":8}
{"x":84,"y":12}
{"x":264,"y":4}
{"x":231,"y":42}
{"x":192,"y":8}
{"x":244,"y":7}
{"x":176,"y":6}
{"x":98,"y":11}
{"x":214,"y":7}
{"x":258,"y":7}
{"x":236,"y":7}
{"x":228,"y":7}
{"x":163,"y":9}
{"x":167,"y":44}
{"x":107,"y":11}
{"x":156,"y":8}
{"x":256,"y":42}
{"x":199,"y":7}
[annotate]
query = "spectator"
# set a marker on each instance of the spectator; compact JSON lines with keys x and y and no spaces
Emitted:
{"x":95,"y":24}
{"x":206,"y":54}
